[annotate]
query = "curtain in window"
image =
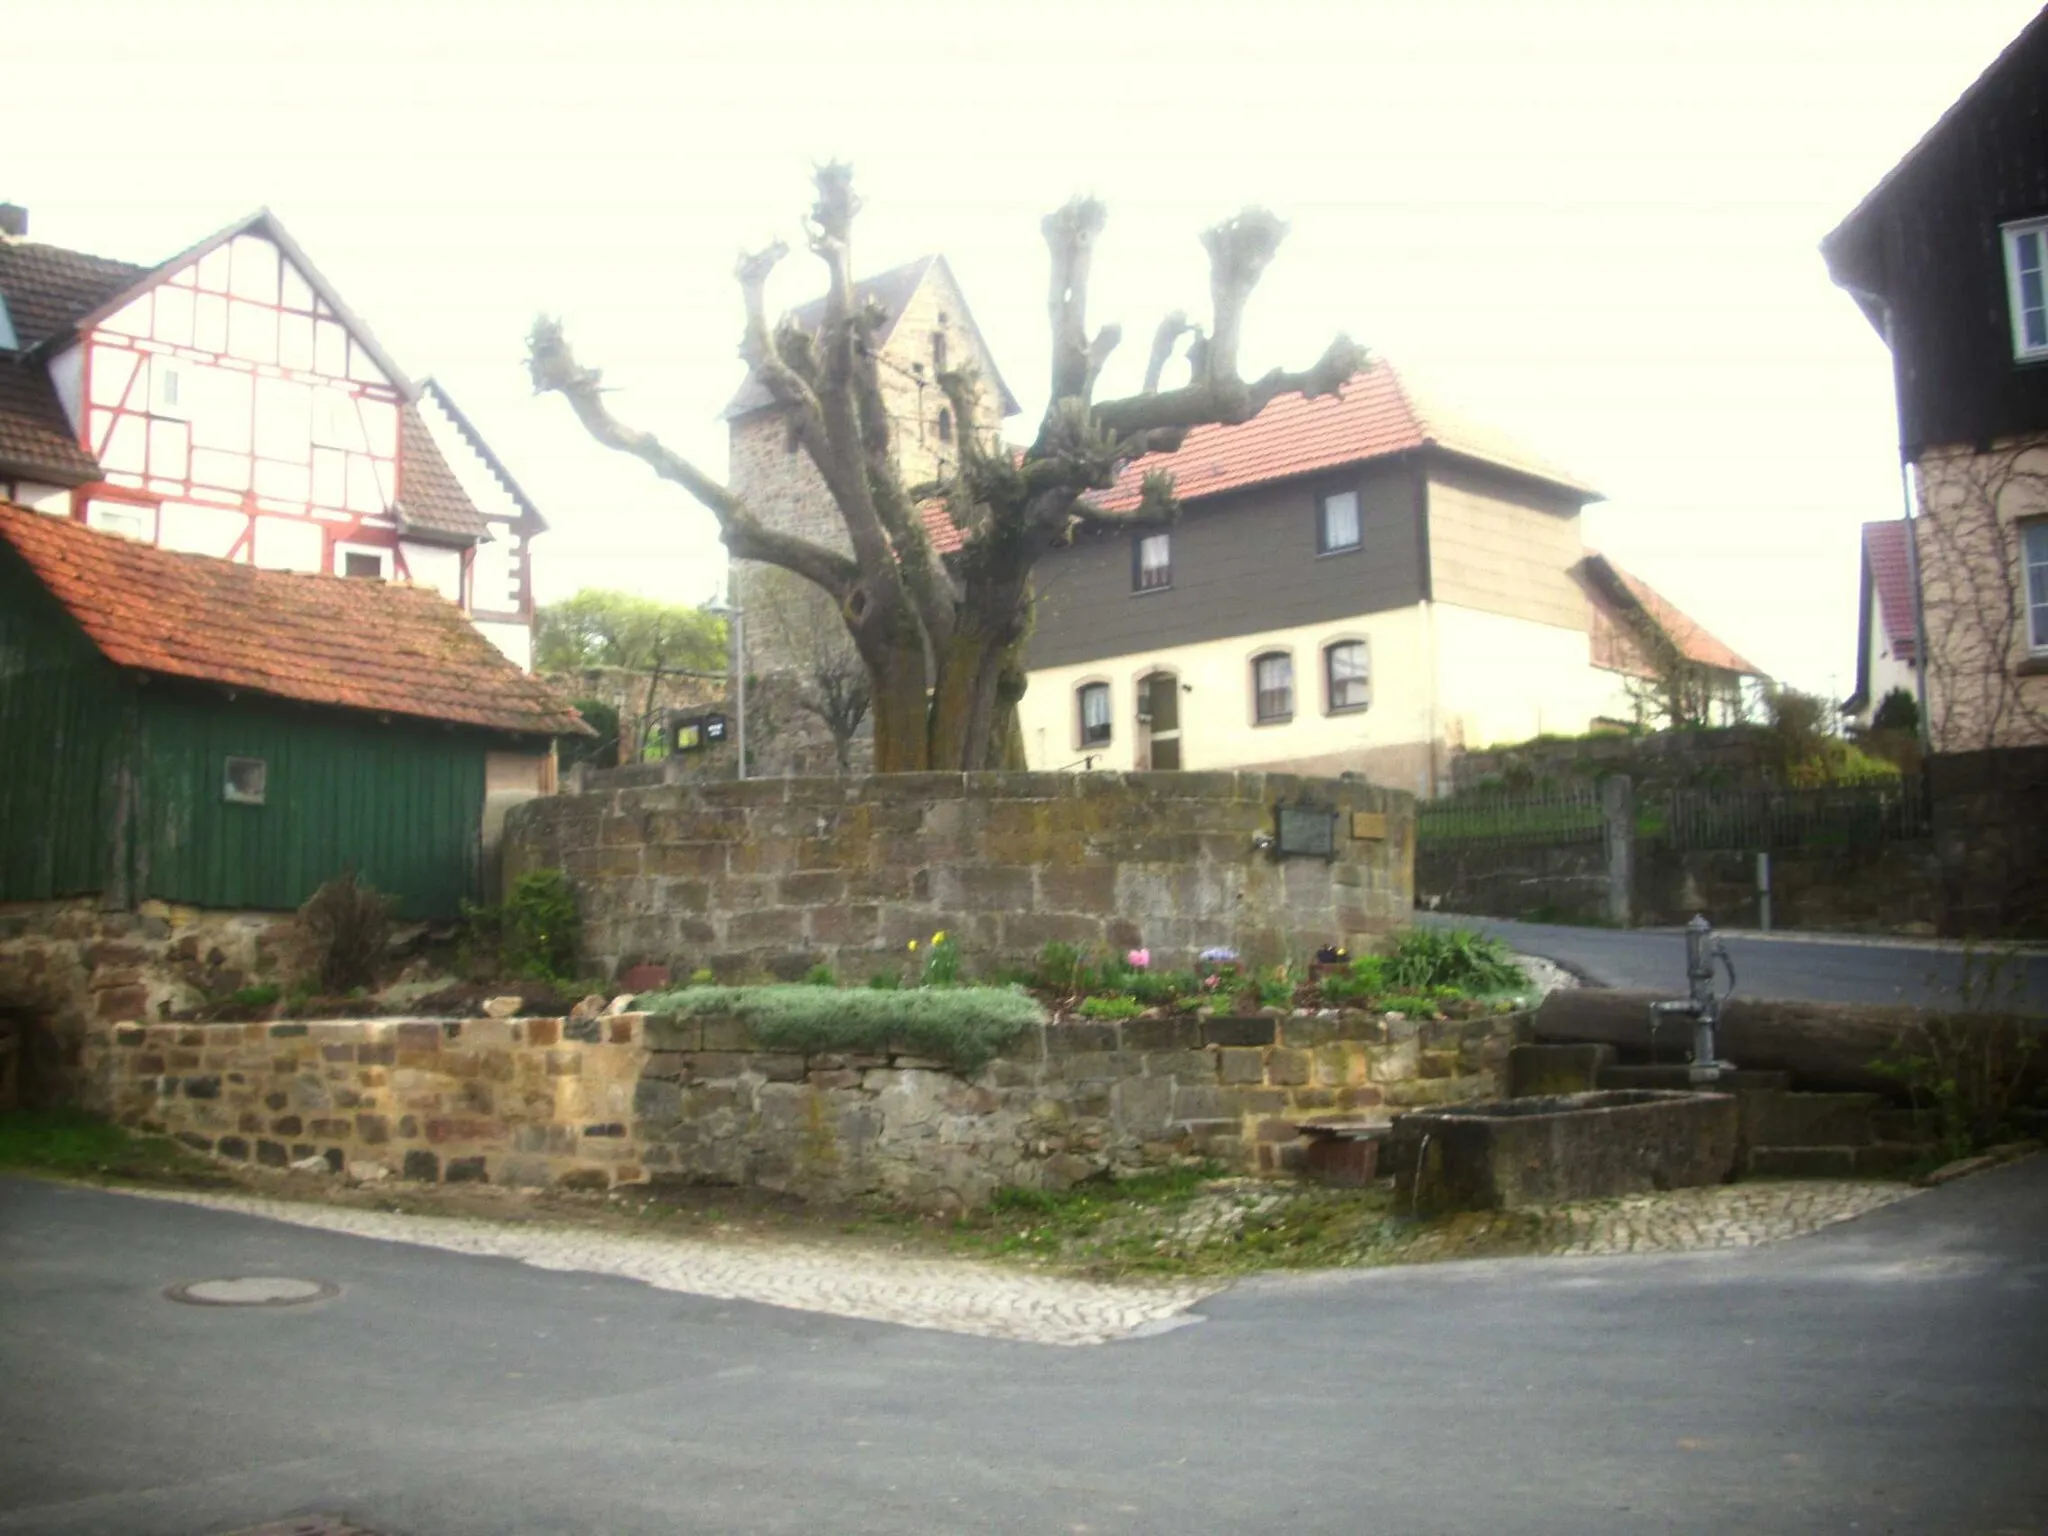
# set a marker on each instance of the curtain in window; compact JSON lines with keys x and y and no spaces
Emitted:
{"x":1349,"y":685}
{"x":1273,"y":684}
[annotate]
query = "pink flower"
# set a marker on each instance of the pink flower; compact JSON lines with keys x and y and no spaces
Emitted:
{"x":1138,"y":959}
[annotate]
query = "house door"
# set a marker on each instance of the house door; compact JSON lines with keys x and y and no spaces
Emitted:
{"x":1159,"y":716}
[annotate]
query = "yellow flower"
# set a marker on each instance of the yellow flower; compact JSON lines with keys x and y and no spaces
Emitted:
{"x":939,"y":937}
{"x":912,"y":944}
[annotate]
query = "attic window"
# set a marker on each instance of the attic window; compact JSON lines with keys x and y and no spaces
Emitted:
{"x":364,"y":563}
{"x":245,"y":781}
{"x":2026,"y":277}
{"x":938,"y":351}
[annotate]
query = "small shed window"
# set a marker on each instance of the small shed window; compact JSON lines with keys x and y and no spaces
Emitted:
{"x":945,"y":425}
{"x":245,"y":781}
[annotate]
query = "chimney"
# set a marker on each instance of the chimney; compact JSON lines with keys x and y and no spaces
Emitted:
{"x":13,"y":221}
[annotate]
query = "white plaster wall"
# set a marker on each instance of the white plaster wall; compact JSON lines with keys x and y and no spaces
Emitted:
{"x":515,"y":640}
{"x":431,"y":565}
{"x":1503,"y":679}
{"x":198,"y":530}
{"x":286,"y":544}
{"x":67,"y":374}
{"x":54,"y":500}
{"x":1217,"y":725}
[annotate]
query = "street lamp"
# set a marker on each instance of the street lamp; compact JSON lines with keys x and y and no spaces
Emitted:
{"x":737,"y":616}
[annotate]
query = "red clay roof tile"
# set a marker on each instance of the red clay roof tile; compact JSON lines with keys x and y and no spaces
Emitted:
{"x":330,"y":640}
{"x":1377,"y":415}
{"x":1890,"y":563}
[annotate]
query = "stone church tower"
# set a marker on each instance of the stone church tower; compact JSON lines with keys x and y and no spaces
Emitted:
{"x":929,"y":331}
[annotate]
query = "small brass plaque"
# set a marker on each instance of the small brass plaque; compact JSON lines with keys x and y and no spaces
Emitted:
{"x":1371,"y":826}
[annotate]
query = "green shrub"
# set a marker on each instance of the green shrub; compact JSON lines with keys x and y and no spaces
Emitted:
{"x":349,"y":923}
{"x":703,"y":976}
{"x":1062,"y":968}
{"x":964,"y":1026}
{"x":820,"y":976}
{"x":1364,"y":977}
{"x":262,"y":995}
{"x":885,"y":981}
{"x":941,"y":960}
{"x":1451,"y":957}
{"x":1412,"y":1004}
{"x":1113,"y":1006}
{"x":533,"y":935}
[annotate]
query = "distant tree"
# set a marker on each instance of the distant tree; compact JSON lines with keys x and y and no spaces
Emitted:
{"x":1897,"y":711}
{"x":601,"y":750}
{"x":643,"y":635}
{"x":798,"y":625}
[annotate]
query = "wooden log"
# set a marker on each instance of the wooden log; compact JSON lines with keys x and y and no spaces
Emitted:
{"x":1825,"y":1046}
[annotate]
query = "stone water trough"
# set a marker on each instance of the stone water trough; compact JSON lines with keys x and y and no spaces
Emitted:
{"x":1557,"y":1147}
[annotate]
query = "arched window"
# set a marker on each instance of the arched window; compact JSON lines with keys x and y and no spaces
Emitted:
{"x":1273,"y":688}
{"x":945,"y":425}
{"x":1347,"y":677}
{"x":1094,"y":705}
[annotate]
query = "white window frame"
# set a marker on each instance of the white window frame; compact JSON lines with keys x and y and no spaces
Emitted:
{"x":2022,"y":349}
{"x":1082,"y":742}
{"x":384,"y":561}
{"x":109,"y":516}
{"x":1324,"y":545}
{"x":2034,"y":576}
{"x":1330,"y":704}
{"x":245,"y":781}
{"x":1138,"y":583}
{"x":1259,"y":716}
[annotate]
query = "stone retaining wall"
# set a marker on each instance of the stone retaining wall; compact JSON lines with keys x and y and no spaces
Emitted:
{"x":630,"y":1098}
{"x":778,"y":875}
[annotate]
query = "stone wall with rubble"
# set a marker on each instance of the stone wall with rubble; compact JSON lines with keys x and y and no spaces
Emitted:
{"x":778,"y":875}
{"x":628,"y":1098}
{"x":66,"y":964}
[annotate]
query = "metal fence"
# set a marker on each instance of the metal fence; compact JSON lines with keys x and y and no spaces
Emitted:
{"x":1568,"y":816}
{"x":1760,"y":819}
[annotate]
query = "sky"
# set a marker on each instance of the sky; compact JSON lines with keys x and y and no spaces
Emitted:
{"x":1592,"y":226}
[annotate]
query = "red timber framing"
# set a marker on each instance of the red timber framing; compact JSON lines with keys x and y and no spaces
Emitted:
{"x":237,"y":413}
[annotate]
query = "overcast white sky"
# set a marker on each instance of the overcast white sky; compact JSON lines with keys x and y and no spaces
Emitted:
{"x":1591,"y":225}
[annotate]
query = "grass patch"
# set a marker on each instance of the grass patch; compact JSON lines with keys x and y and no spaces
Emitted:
{"x":1184,"y":1221}
{"x":82,"y":1146}
{"x":963,"y":1026}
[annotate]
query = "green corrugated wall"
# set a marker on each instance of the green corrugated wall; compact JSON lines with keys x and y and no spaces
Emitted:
{"x":401,"y":801}
{"x":61,"y":719}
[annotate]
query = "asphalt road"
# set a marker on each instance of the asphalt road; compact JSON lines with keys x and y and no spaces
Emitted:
{"x":1886,"y":1375}
{"x":1778,"y":965}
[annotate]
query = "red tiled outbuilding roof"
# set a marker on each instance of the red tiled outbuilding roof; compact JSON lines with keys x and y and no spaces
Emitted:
{"x":331,"y":640}
{"x":1377,"y":415}
{"x":1609,"y":585}
{"x":1889,"y":562}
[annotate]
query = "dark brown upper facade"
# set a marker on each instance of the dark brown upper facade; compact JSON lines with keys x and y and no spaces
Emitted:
{"x":1927,"y":256}
{"x":1239,"y":564}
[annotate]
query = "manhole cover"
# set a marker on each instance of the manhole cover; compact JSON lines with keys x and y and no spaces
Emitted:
{"x":252,"y":1291}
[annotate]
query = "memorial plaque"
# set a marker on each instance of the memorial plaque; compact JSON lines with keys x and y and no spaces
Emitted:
{"x":1304,"y":832}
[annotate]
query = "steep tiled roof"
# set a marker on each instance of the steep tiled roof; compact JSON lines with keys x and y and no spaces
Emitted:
{"x":1377,"y":415}
{"x":49,"y":288}
{"x":36,"y":441}
{"x":432,"y":389}
{"x":1610,"y":585}
{"x":1890,"y":566}
{"x":329,"y":640}
{"x":434,"y":504}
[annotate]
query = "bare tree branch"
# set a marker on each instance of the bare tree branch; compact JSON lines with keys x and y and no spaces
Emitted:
{"x":554,"y":369}
{"x":1070,"y":238}
{"x":1164,"y":340}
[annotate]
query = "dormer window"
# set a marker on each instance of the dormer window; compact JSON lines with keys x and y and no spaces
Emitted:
{"x":2026,"y":279}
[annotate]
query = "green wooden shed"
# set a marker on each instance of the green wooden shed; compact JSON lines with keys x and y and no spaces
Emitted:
{"x":200,"y":731}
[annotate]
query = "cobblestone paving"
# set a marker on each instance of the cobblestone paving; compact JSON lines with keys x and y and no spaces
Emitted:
{"x":952,"y":1295}
{"x":991,"y":1301}
{"x":1678,"y":1221}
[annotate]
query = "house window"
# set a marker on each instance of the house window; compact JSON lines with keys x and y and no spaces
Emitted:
{"x":1273,"y":687}
{"x":169,"y":389}
{"x":364,"y":564}
{"x":2034,"y":541}
{"x":1094,"y":700}
{"x":1345,"y":676}
{"x":244,"y":782}
{"x":1152,"y":562}
{"x":1337,"y":523}
{"x":945,"y":425}
{"x":2026,"y":279}
{"x":938,"y":351}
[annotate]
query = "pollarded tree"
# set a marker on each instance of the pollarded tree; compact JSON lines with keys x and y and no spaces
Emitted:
{"x":941,"y":634}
